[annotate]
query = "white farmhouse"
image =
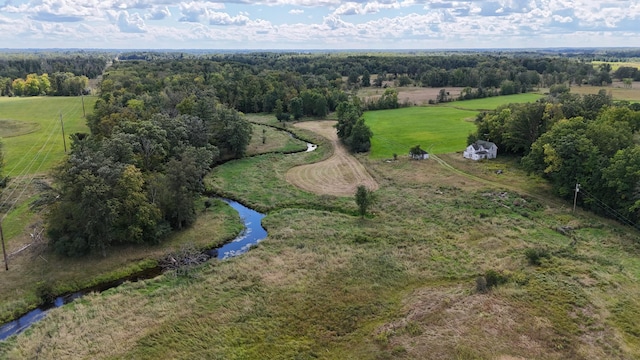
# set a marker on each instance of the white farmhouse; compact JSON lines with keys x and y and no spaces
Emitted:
{"x":481,"y":150}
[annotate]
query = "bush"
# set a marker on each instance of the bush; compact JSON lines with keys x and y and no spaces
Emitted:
{"x":283,"y":117}
{"x":495,"y":278}
{"x":535,"y":255}
{"x":45,"y":292}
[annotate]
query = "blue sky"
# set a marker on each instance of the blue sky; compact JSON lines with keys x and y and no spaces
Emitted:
{"x":318,"y":24}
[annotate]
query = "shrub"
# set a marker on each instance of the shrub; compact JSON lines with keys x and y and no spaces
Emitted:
{"x":495,"y":278}
{"x":45,"y":292}
{"x":535,"y":255}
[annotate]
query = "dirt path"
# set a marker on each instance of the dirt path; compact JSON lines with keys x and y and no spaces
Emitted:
{"x":338,"y":175}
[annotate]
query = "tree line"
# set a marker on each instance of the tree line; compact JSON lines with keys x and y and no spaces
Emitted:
{"x":58,"y":84}
{"x":570,"y":139}
{"x":19,"y":65}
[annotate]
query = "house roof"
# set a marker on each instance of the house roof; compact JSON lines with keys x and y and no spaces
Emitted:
{"x":484,"y":144}
{"x":422,"y":152}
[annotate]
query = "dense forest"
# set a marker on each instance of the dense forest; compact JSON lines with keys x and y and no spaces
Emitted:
{"x":570,"y":139}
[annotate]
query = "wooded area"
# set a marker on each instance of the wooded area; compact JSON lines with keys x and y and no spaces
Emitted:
{"x":571,"y":139}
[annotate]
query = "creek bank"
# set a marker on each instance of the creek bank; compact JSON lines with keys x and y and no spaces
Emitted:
{"x":252,"y":234}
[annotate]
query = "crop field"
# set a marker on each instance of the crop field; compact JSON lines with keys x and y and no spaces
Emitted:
{"x":437,"y":129}
{"x":31,"y":132}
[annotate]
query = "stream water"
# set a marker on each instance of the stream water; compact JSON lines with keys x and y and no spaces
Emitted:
{"x":252,"y":234}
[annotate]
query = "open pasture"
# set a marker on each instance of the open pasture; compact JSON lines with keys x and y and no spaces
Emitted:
{"x":31,"y":132}
{"x":437,"y":129}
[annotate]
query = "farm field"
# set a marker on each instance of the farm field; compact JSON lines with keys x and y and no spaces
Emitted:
{"x":437,"y":129}
{"x":31,"y":133}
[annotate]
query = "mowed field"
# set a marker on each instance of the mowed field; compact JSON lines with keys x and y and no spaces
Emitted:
{"x":339,"y":175}
{"x":31,"y":132}
{"x":437,"y":129}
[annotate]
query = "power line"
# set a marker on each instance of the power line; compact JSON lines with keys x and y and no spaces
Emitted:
{"x":29,"y":167}
{"x":611,"y":210}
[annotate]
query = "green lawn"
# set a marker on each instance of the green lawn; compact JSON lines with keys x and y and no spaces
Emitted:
{"x":437,"y":129}
{"x":31,"y":132}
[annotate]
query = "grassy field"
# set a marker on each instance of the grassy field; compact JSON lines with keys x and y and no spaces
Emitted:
{"x":437,"y":129}
{"x":399,"y":285}
{"x":491,"y":103}
{"x":31,"y":132}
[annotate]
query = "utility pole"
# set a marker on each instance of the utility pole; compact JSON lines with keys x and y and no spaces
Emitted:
{"x":575,"y":197}
{"x":64,"y":140}
{"x":4,"y":251}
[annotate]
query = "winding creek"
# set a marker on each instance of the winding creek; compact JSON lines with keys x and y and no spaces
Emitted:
{"x":252,"y":234}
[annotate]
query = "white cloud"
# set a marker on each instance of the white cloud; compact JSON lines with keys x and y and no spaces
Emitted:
{"x":130,"y":23}
{"x":562,"y":19}
{"x":220,"y":18}
{"x":196,"y":11}
{"x":158,"y":13}
{"x":353,"y":8}
{"x":296,"y":11}
{"x":334,"y":22}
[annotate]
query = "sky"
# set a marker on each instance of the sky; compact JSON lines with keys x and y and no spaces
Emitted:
{"x":318,"y":24}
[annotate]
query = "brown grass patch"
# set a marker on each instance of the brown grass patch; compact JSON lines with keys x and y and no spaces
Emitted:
{"x":437,"y":320}
{"x":617,"y":90}
{"x":338,"y":175}
{"x":413,"y":95}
